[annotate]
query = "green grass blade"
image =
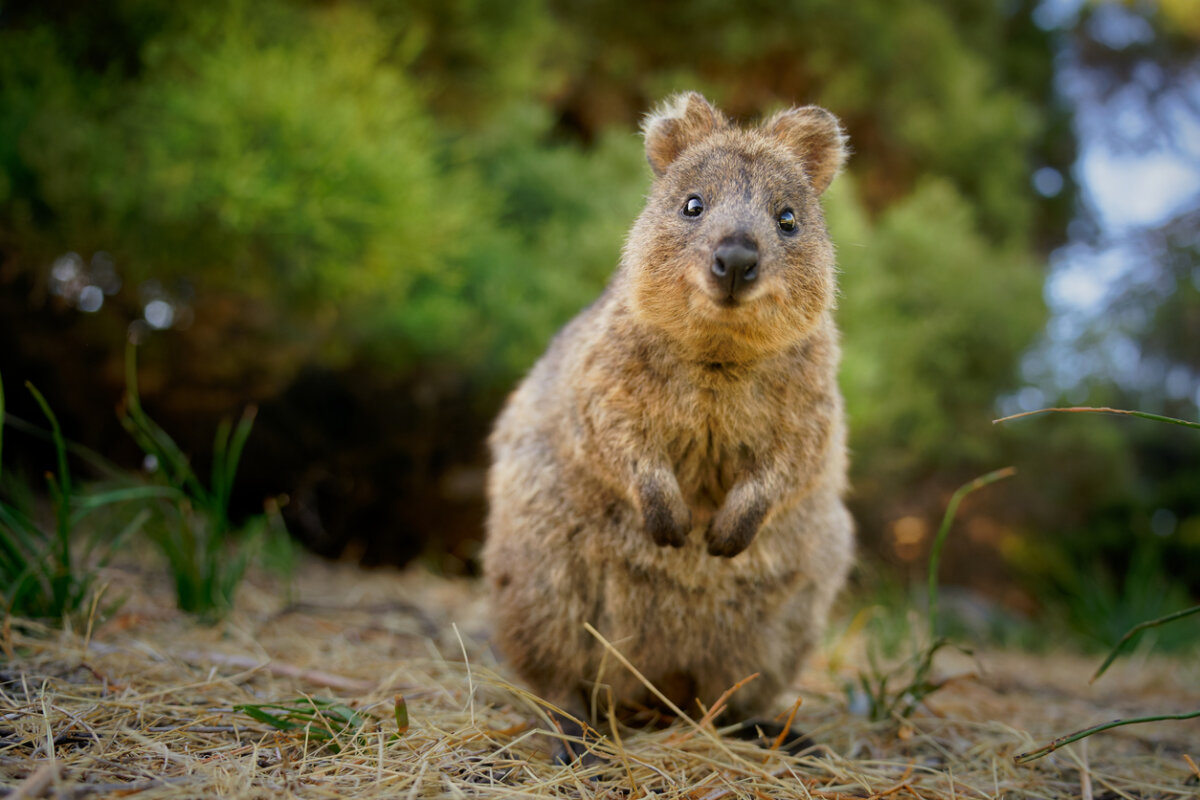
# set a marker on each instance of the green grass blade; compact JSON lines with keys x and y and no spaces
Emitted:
{"x":3,"y":422}
{"x":318,"y":718}
{"x":22,"y":547}
{"x":240,"y":434}
{"x":234,"y":456}
{"x":31,"y":594}
{"x":153,"y":439}
{"x":12,"y":557}
{"x":60,"y":444}
{"x":1033,"y":755}
{"x":1093,"y":410}
{"x":90,"y":503}
{"x":98,"y":462}
{"x":179,"y":545}
{"x":277,"y":722}
{"x":1137,"y":629}
{"x":228,"y":571}
{"x":133,"y":398}
{"x":26,"y":553}
{"x":344,"y":714}
{"x":219,"y":485}
{"x":16,"y":549}
{"x":64,"y":578}
{"x":118,"y":541}
{"x":935,"y":555}
{"x":62,"y":524}
{"x":401,"y":715}
{"x":30,"y":535}
{"x":227,"y":453}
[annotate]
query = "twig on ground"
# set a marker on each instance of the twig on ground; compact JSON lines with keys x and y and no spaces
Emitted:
{"x":905,"y":782}
{"x":37,"y":783}
{"x":119,"y":789}
{"x":787,"y":726}
{"x":716,"y":709}
{"x":1033,"y":755}
{"x":726,"y":791}
{"x":1085,"y":772}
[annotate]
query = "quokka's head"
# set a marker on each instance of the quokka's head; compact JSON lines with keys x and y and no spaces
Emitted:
{"x":731,"y":257}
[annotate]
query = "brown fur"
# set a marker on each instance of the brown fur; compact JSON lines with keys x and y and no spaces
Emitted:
{"x":672,"y":469}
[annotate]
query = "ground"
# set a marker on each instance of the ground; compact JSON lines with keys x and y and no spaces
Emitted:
{"x":142,"y":705}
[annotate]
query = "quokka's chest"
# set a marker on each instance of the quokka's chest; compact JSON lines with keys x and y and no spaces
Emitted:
{"x":715,"y":446}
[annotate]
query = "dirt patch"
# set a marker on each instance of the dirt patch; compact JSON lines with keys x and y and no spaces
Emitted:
{"x":143,"y":705}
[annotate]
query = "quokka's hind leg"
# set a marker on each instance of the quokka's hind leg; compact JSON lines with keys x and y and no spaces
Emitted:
{"x":575,"y":740}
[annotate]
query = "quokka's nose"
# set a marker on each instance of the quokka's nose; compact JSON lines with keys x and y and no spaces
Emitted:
{"x":735,"y":264}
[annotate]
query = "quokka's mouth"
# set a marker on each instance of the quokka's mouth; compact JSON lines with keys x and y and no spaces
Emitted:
{"x":727,"y":302}
{"x":731,"y":302}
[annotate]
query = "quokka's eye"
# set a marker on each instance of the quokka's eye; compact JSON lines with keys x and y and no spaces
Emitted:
{"x":693,"y":207}
{"x":787,"y":221}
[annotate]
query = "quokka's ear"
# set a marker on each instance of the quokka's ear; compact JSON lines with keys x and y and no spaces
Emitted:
{"x":677,"y":124}
{"x":816,"y":136}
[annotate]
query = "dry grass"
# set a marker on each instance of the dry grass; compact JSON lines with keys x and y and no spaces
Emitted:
{"x":142,"y":706}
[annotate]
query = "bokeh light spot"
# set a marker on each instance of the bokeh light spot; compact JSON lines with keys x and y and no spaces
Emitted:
{"x":159,"y":313}
{"x":1048,"y":182}
{"x":91,"y":298}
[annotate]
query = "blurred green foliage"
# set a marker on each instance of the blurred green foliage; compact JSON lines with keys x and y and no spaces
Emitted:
{"x":926,"y":269}
{"x":265,"y":150}
{"x":390,"y":185}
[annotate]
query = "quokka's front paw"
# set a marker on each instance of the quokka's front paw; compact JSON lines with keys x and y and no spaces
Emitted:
{"x":664,"y":512}
{"x":735,"y":525}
